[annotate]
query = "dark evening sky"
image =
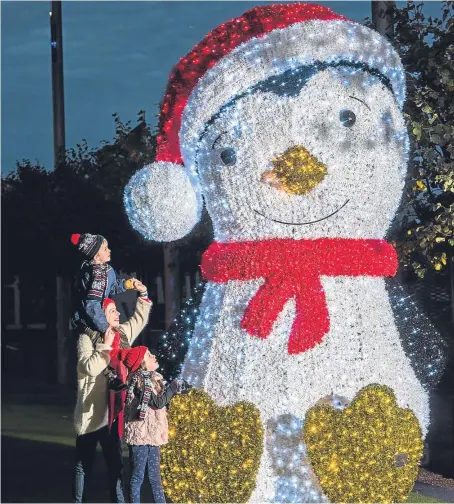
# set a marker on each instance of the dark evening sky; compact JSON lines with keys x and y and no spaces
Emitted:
{"x":117,"y":58}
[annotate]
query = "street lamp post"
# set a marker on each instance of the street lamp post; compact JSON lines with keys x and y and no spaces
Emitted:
{"x":63,"y":285}
{"x":58,"y":98}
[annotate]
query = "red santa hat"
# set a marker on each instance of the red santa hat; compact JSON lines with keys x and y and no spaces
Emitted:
{"x":264,"y":41}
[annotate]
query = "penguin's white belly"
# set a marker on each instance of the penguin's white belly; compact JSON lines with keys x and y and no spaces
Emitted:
{"x":362,"y":347}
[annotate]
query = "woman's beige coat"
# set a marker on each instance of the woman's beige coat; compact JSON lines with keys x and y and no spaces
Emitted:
{"x":91,"y":412}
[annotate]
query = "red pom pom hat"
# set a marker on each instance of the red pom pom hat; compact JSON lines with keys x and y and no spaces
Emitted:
{"x":263,"y":42}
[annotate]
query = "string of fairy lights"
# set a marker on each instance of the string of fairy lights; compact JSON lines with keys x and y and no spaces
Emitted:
{"x":173,"y":345}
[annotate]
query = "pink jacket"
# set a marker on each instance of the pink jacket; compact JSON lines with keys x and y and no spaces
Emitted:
{"x":152,"y":430}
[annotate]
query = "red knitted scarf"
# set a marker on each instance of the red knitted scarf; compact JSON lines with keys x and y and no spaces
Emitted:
{"x":292,"y":270}
{"x":117,"y":400}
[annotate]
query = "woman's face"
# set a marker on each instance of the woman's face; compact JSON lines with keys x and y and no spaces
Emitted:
{"x":151,"y":362}
{"x":112,"y":315}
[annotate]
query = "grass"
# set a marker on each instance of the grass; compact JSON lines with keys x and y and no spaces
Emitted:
{"x":416,"y":497}
{"x":44,"y":423}
{"x":41,"y":423}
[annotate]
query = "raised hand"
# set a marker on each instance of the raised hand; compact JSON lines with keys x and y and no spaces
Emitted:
{"x":139,"y":286}
{"x":109,"y":336}
{"x":179,"y":386}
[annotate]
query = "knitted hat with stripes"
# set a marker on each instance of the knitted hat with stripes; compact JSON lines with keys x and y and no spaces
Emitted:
{"x":87,"y":244}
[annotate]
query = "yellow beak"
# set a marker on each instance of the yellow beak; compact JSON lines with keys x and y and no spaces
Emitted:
{"x":296,"y":171}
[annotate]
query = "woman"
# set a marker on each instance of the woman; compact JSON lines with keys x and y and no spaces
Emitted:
{"x":91,"y":416}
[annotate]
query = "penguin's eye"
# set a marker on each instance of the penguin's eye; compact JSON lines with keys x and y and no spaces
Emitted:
{"x":347,"y":118}
{"x":228,"y":156}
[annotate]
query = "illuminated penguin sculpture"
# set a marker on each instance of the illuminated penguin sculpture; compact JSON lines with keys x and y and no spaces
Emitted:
{"x":287,"y":123}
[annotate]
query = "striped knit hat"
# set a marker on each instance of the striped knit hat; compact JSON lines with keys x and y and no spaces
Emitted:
{"x":87,"y":243}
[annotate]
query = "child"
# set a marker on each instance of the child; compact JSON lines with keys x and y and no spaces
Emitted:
{"x":96,"y":281}
{"x":146,"y":427}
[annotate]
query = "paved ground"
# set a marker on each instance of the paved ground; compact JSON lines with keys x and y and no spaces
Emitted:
{"x":34,"y":471}
{"x":441,"y":494}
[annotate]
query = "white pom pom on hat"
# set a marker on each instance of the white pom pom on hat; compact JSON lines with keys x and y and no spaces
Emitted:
{"x":161,"y":202}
